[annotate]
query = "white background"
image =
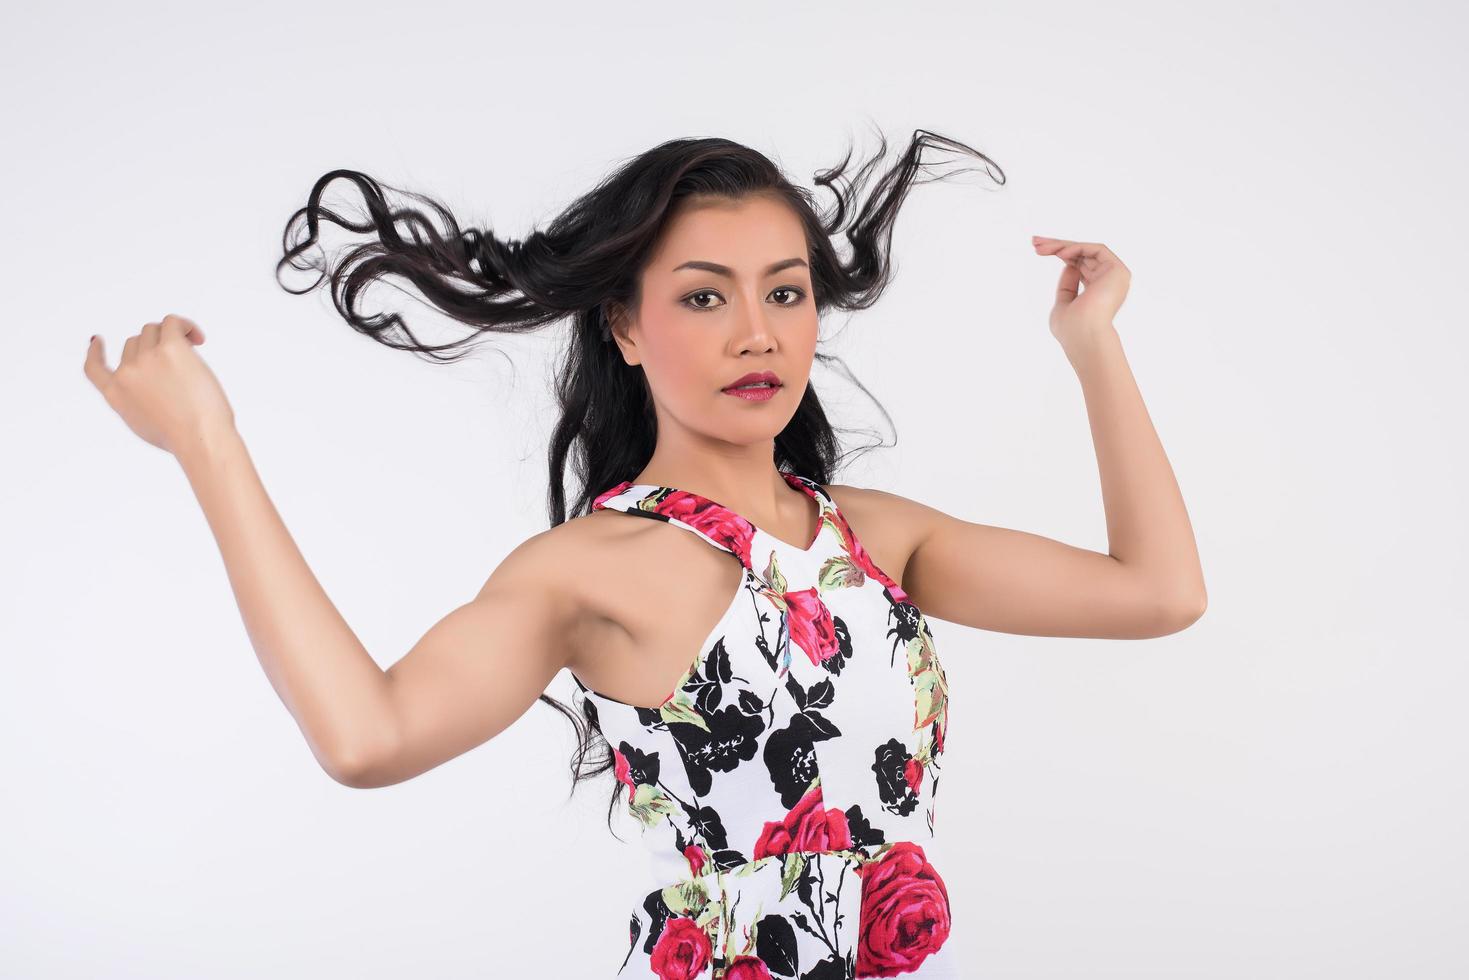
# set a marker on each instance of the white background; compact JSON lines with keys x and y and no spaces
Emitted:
{"x":1277,"y":792}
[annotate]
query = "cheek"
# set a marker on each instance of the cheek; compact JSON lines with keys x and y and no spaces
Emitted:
{"x":811,"y":337}
{"x":679,"y":367}
{"x":683,"y":374}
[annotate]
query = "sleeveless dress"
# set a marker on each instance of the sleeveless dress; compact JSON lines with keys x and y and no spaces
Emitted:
{"x":786,"y":784}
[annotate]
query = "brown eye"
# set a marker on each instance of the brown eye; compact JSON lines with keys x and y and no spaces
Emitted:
{"x":690,"y":302}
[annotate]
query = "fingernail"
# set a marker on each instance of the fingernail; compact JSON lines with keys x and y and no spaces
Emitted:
{"x":93,"y":340}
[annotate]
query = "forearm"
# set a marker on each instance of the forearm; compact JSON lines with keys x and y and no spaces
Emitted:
{"x":1148,"y":529}
{"x":319,"y":669}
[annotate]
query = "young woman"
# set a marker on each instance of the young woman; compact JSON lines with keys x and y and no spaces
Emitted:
{"x":775,"y":722}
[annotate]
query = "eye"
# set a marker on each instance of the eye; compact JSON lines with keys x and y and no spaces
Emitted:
{"x":692,"y":296}
{"x":799,"y":295}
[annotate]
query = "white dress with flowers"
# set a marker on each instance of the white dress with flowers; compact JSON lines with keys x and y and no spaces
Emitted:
{"x":786,"y":784}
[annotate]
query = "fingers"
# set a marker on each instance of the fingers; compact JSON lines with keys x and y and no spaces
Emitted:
{"x":1083,"y":253}
{"x":1074,"y":250}
{"x":130,"y":347}
{"x":1069,"y":287}
{"x":95,"y":366}
{"x":179,"y":326}
{"x":153,"y":333}
{"x":1090,"y":248}
{"x":1091,"y":258}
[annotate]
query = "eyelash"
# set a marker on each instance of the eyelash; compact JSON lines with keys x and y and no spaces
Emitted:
{"x":800,"y":297}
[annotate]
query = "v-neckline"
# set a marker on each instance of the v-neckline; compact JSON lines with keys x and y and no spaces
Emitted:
{"x":799,"y":482}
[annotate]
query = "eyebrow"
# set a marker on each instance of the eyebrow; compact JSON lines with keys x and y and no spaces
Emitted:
{"x":727,"y":272}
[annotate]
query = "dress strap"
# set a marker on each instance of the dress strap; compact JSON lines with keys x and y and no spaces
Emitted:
{"x":710,"y":520}
{"x":720,"y":527}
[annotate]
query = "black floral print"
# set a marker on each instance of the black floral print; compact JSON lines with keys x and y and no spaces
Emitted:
{"x":784,"y":782}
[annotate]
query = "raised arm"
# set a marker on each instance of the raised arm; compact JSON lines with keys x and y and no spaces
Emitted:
{"x":470,"y":676}
{"x":465,"y":681}
{"x":1148,"y":583}
{"x":478,"y":669}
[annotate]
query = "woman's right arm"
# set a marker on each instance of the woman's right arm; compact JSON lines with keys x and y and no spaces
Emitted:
{"x":472,"y":675}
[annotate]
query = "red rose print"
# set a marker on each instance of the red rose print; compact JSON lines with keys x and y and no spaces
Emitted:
{"x":623,"y":772}
{"x":747,"y":968}
{"x":739,"y":741}
{"x":809,"y":621}
{"x":864,"y":561}
{"x":913,"y":773}
{"x":609,"y":493}
{"x":711,"y":520}
{"x":683,"y":950}
{"x":696,"y":857}
{"x":905,"y":912}
{"x":807,"y":827}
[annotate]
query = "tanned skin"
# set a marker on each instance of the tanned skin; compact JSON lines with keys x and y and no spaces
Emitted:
{"x":482,"y":666}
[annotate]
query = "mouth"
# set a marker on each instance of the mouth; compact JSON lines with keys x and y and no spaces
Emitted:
{"x":758,"y":381}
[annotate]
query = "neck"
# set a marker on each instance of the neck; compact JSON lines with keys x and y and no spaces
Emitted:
{"x":744,"y":482}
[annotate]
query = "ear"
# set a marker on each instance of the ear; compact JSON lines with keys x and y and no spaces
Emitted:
{"x":619,"y":321}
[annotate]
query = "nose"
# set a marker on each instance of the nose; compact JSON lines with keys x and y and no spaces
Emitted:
{"x":754,"y":331}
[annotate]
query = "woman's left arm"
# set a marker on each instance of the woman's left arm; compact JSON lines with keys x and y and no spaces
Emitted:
{"x":1150,"y":582}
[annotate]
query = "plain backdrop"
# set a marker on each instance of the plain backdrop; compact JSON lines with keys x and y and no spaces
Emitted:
{"x":1277,"y":792}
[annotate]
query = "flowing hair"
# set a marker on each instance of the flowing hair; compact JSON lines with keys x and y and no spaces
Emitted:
{"x":585,"y":266}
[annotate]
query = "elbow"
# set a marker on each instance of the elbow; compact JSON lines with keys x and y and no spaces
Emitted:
{"x":1180,"y":612}
{"x":359,"y":770}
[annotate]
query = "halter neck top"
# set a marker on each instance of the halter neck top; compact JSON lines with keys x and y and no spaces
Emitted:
{"x":785,"y":783}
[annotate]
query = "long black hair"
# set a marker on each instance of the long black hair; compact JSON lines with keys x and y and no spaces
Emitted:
{"x":586,"y":266}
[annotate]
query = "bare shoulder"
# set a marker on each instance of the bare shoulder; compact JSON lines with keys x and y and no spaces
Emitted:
{"x":882,"y":504}
{"x":587,"y":563}
{"x":564,"y":557}
{"x":890,"y":526}
{"x":907,"y":519}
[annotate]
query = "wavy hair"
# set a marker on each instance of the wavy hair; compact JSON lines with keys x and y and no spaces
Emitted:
{"x":585,"y":266}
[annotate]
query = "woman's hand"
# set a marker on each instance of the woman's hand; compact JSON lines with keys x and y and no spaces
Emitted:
{"x":1078,"y":319}
{"x":162,"y":388}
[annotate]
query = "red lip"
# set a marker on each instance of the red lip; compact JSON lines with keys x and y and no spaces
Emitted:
{"x":753,"y":378}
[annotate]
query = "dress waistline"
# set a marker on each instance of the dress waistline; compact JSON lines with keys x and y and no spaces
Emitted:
{"x":708,"y":897}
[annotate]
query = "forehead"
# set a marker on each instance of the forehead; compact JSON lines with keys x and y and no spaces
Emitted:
{"x":747,"y":235}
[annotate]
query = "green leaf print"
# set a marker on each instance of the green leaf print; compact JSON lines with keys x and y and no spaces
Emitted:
{"x":681,"y":709}
{"x":775,"y":579}
{"x":688,"y":898}
{"x":839,"y":572}
{"x":928,"y":698}
{"x":795,"y":863}
{"x":924,"y":755}
{"x":651,"y":805}
{"x":920,"y":652}
{"x":709,"y":917}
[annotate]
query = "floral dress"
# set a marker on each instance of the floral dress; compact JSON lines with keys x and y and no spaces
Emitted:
{"x":785,"y":783}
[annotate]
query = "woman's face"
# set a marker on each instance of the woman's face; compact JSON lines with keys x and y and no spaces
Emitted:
{"x":699,"y":329}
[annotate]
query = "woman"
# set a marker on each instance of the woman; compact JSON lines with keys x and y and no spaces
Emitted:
{"x":781,"y":748}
